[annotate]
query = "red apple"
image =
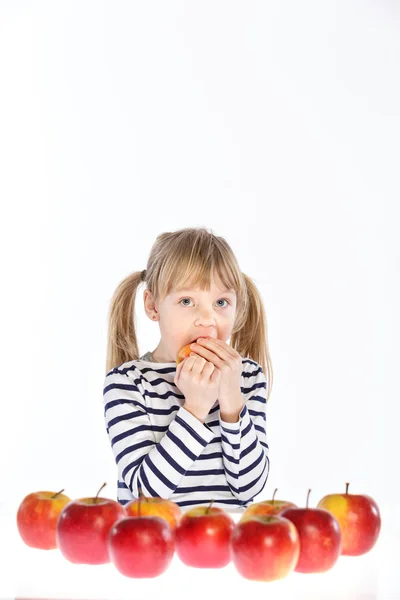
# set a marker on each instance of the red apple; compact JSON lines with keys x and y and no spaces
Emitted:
{"x":359,"y":520}
{"x":37,"y":517}
{"x":83,"y":527}
{"x":203,"y":537}
{"x":265,"y":548}
{"x":154,"y":507}
{"x":320,"y":538}
{"x":141,"y":546}
{"x":266,"y":507}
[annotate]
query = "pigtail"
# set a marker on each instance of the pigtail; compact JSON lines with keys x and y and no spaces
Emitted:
{"x":122,"y":345}
{"x":250,"y":335}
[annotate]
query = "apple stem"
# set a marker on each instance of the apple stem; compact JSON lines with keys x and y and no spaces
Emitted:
{"x":208,"y":507}
{"x":347,"y":487}
{"x":143,"y":496}
{"x":58,"y":493}
{"x":95,"y":500}
{"x":140,"y":498}
{"x":273,"y":495}
{"x":308,"y":495}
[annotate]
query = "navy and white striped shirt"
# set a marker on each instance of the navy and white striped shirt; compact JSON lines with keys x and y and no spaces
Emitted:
{"x":160,"y":446}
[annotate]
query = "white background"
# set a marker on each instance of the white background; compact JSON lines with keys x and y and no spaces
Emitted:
{"x":275,"y":124}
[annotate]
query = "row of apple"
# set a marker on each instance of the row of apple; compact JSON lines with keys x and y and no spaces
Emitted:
{"x":272,"y":538}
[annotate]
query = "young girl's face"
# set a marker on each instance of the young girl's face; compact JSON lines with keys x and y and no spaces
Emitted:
{"x":187,"y":314}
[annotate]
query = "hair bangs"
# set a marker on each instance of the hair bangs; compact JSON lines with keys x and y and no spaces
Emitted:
{"x":194,"y":264}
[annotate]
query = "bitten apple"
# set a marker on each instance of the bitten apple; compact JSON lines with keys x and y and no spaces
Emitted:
{"x":320,"y":538}
{"x":184,"y":352}
{"x":83,"y":527}
{"x":154,"y":507}
{"x":359,"y":519}
{"x":203,"y":537}
{"x":266,"y":507}
{"x":37,"y":517}
{"x":265,"y":548}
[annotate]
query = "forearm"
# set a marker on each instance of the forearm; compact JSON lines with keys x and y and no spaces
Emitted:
{"x":244,"y":457}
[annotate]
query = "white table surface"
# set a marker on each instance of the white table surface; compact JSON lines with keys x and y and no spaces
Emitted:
{"x":30,"y":573}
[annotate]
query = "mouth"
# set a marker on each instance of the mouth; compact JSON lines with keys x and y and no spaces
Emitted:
{"x":199,"y":336}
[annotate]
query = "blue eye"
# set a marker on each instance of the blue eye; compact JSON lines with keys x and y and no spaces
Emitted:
{"x":223,"y":299}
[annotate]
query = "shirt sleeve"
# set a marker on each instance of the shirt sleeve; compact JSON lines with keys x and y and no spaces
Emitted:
{"x":157,"y":467}
{"x":244,"y":444}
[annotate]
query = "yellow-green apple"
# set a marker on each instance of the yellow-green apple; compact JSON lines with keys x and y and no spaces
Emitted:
{"x":203,"y":537}
{"x":141,"y":546}
{"x":359,"y":519}
{"x":320,"y":538}
{"x":266,"y":507}
{"x":83,"y":527}
{"x":265,"y":548}
{"x":37,"y":517}
{"x":155,"y":507}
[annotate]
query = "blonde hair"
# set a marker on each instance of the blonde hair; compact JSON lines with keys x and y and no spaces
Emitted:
{"x":190,"y":255}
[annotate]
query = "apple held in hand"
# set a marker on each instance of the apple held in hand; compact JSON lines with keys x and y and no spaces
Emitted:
{"x":265,"y":548}
{"x":37,"y":517}
{"x":203,"y":537}
{"x":359,"y":519}
{"x":320,"y":538}
{"x":266,"y":507}
{"x":184,"y":353}
{"x":83,"y":527}
{"x":141,"y":546}
{"x":154,"y":507}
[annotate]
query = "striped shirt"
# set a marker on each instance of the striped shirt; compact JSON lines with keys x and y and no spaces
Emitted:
{"x":162,"y":447}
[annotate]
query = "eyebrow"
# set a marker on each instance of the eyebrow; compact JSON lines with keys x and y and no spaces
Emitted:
{"x":193,"y":290}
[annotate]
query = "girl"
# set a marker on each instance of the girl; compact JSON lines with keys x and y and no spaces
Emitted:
{"x":196,"y":432}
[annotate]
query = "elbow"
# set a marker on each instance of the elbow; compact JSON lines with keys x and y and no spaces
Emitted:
{"x":248,"y":492}
{"x":139,"y":485}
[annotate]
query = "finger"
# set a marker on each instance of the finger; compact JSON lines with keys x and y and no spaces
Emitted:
{"x":231,"y":352}
{"x":219,"y":343}
{"x":186,"y":360}
{"x":180,"y":367}
{"x":215,"y":374}
{"x":178,"y":370}
{"x":210,"y":354}
{"x":206,"y":367}
{"x":198,"y":362}
{"x":212,"y":347}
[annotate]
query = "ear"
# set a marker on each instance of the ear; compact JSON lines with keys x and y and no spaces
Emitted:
{"x":149,"y":305}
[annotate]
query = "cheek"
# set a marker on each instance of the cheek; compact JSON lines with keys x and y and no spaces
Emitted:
{"x":174,"y":331}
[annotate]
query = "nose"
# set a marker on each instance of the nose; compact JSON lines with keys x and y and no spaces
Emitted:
{"x":205,"y":317}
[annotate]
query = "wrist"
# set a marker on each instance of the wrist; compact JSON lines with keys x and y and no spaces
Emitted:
{"x":230,"y":408}
{"x":198,"y":416}
{"x":230,"y":417}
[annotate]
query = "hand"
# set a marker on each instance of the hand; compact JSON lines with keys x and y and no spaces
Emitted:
{"x":229,"y":362}
{"x":198,"y":380}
